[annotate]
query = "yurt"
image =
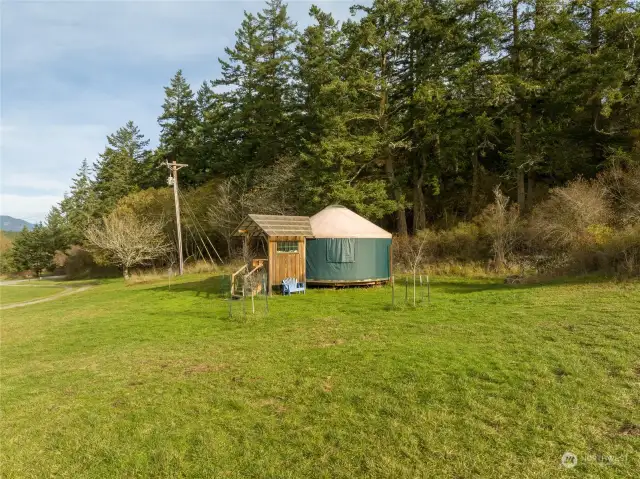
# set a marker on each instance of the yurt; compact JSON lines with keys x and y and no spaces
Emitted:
{"x":346,"y":249}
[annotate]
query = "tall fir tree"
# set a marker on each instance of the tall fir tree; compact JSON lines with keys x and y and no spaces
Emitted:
{"x":178,"y":123}
{"x":410,"y":113}
{"x":79,"y":206}
{"x":33,"y":250}
{"x":259,"y":94}
{"x":118,"y":169}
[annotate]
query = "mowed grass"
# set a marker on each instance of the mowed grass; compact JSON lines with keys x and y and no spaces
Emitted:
{"x":19,"y":293}
{"x":487,"y":381}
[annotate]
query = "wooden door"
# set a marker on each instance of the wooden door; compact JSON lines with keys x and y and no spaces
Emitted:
{"x":286,"y":264}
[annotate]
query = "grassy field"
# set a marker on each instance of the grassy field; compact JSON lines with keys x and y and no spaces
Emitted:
{"x":18,"y":293}
{"x":487,"y":381}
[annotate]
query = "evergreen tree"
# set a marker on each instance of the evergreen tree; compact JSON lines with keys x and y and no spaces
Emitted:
{"x":79,"y":206}
{"x":178,"y":124}
{"x":259,"y":100}
{"x":341,"y":143}
{"x":211,"y":135}
{"x":58,"y":229}
{"x":318,"y":56}
{"x":239,"y":99}
{"x":410,"y":113}
{"x":119,"y":168}
{"x":375,"y":50}
{"x":33,"y":250}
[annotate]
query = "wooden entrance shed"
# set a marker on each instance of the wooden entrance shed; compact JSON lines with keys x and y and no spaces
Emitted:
{"x":285,"y":245}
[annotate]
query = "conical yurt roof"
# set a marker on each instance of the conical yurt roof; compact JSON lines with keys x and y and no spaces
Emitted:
{"x":336,"y":221}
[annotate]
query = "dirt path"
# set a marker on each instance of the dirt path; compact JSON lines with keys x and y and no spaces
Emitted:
{"x":66,"y":292}
{"x":35,"y":281}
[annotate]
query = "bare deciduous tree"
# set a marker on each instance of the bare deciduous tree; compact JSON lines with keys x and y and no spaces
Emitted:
{"x":501,"y":223}
{"x":563,"y":220}
{"x":128,"y":240}
{"x":235,"y":198}
{"x":623,"y":187}
{"x":230,"y":205}
{"x":416,"y":251}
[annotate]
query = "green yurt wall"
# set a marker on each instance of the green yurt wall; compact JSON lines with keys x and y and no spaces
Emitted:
{"x":348,"y":259}
{"x":346,"y":248}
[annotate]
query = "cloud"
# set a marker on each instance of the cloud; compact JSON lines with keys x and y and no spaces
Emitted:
{"x":140,"y":32}
{"x":73,"y":72}
{"x":30,"y":208}
{"x":25,"y":181}
{"x":42,"y":157}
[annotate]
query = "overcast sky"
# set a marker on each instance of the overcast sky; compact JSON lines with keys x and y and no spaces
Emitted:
{"x":73,"y":72}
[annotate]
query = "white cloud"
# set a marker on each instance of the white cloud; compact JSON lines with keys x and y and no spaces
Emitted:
{"x":31,"y":181}
{"x":38,"y":162}
{"x":30,"y":208}
{"x":132,"y":31}
{"x":73,"y":72}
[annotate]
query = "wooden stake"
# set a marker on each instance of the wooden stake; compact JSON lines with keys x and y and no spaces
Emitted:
{"x":266,"y":293}
{"x":414,"y":289}
{"x":253,"y":305}
{"x":428,"y":290}
{"x":393,"y":291}
{"x":244,"y":309}
{"x":406,"y":290}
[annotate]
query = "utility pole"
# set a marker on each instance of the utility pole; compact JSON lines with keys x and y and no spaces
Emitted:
{"x":173,"y":168}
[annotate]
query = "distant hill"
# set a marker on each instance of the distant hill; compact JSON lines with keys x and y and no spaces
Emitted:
{"x":8,"y":223}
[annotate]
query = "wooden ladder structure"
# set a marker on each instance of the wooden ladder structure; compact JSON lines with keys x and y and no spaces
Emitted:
{"x":246,"y":284}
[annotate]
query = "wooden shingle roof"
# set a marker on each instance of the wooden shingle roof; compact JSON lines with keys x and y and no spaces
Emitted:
{"x":275,"y":225}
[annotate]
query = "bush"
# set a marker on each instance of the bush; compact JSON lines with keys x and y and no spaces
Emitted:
{"x":501,"y":223}
{"x":623,"y":251}
{"x":586,"y":226}
{"x":464,"y":242}
{"x":461,"y":244}
{"x":568,"y":219}
{"x":79,"y":263}
{"x":623,"y":191}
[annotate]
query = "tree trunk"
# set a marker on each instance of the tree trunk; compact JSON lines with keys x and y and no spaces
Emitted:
{"x":397,"y":196}
{"x":515,"y":59}
{"x":125,"y":272}
{"x":596,"y":105}
{"x":229,"y":251}
{"x":388,"y":158}
{"x":420,"y":161}
{"x":419,"y":205}
{"x":519,"y":166}
{"x":521,"y":192}
{"x":475,"y":184}
{"x":530,"y":184}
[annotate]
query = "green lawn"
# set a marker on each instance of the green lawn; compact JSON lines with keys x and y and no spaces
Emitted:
{"x":487,"y":381}
{"x":18,"y":293}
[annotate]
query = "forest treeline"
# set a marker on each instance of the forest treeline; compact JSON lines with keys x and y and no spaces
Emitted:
{"x":410,"y":113}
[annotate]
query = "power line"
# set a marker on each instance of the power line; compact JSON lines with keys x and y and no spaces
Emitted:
{"x":199,"y":228}
{"x":173,"y":168}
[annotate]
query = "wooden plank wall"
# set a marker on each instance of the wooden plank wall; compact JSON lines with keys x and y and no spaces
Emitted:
{"x":286,"y":265}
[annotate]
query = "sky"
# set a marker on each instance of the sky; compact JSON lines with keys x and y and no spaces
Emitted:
{"x":73,"y":72}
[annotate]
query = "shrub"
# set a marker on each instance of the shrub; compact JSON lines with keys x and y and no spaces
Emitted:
{"x":623,"y":190}
{"x":501,"y":223}
{"x":568,"y":219}
{"x":78,"y":263}
{"x":623,"y":250}
{"x":464,"y":242}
